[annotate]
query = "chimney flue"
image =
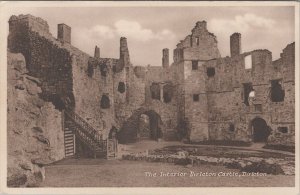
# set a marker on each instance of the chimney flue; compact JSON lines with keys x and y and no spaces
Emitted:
{"x":97,"y":52}
{"x":235,"y":44}
{"x":64,"y":33}
{"x":165,"y":58}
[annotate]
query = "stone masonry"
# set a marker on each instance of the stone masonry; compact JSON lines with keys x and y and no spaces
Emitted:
{"x":200,"y":96}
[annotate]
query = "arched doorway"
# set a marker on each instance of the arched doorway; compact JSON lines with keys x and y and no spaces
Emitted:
{"x":142,"y":124}
{"x":149,"y":125}
{"x":260,"y":130}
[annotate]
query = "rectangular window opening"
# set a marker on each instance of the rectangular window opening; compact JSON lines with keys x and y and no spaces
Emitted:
{"x":283,"y":129}
{"x":155,"y":91}
{"x":194,"y":65}
{"x":248,"y":62}
{"x":210,"y":72}
{"x":197,"y":41}
{"x":196,"y":97}
{"x":247,"y":89}
{"x":277,"y":92}
{"x":258,"y":107}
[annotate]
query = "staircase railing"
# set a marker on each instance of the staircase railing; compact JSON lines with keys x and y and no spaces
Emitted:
{"x":86,"y":131}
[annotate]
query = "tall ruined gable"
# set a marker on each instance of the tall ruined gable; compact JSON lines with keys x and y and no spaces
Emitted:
{"x":200,"y":45}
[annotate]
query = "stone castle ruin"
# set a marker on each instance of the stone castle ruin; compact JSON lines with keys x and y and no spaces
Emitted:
{"x":199,"y":97}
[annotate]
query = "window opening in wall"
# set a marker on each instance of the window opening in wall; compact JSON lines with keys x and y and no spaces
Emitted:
{"x":167,"y":93}
{"x":121,"y":87}
{"x":196,"y":97}
{"x":248,"y":88}
{"x":258,"y":107}
{"x":194,"y":65}
{"x":210,"y":72}
{"x":105,"y":102}
{"x":231,"y":127}
{"x":90,"y":70}
{"x":283,"y":129}
{"x":155,"y":91}
{"x":277,"y":93}
{"x":104,"y":70}
{"x":248,"y":62}
{"x":197,"y":41}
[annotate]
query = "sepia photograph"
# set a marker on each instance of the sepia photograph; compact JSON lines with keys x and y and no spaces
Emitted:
{"x":157,"y":94}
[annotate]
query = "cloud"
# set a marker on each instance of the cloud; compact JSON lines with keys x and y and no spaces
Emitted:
{"x":134,"y":30}
{"x":130,"y":29}
{"x":100,"y":31}
{"x":241,"y":23}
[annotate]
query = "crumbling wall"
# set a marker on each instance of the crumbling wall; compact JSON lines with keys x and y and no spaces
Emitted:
{"x":34,"y":127}
{"x":189,"y":57}
{"x":212,"y":102}
{"x":225,"y":92}
{"x":195,"y":101}
{"x":166,"y":108}
{"x":45,"y":58}
{"x":92,"y":91}
{"x":201,"y":44}
{"x":70,"y":78}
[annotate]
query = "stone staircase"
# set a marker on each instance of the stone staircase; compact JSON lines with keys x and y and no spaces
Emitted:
{"x":76,"y":127}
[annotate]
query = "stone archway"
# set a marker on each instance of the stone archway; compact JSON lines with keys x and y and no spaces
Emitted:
{"x":260,"y":130}
{"x":151,"y":129}
{"x":142,"y":124}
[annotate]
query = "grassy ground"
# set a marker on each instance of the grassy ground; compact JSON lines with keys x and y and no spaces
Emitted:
{"x":216,"y":151}
{"x":121,"y":173}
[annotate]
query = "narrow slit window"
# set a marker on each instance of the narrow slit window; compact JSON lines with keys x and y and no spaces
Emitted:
{"x":197,"y":41}
{"x":231,"y":127}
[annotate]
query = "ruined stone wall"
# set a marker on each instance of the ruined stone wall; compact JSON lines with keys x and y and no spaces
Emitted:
{"x":91,"y":83}
{"x":201,"y":44}
{"x":45,"y":58}
{"x":195,"y":101}
{"x":211,"y":94}
{"x":69,"y":76}
{"x":166,"y":108}
{"x":34,"y":127}
{"x":225,"y":92}
{"x":189,"y":57}
{"x":205,"y":92}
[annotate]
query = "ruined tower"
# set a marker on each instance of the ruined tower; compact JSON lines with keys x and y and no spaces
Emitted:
{"x":235,"y":44}
{"x":97,"y":52}
{"x":165,"y":58}
{"x":64,"y":33}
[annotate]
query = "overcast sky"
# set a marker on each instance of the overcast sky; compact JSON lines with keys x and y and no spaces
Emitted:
{"x":149,"y":30}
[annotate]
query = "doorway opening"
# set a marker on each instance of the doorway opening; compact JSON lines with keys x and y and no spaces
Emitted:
{"x":149,"y":126}
{"x":260,"y":130}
